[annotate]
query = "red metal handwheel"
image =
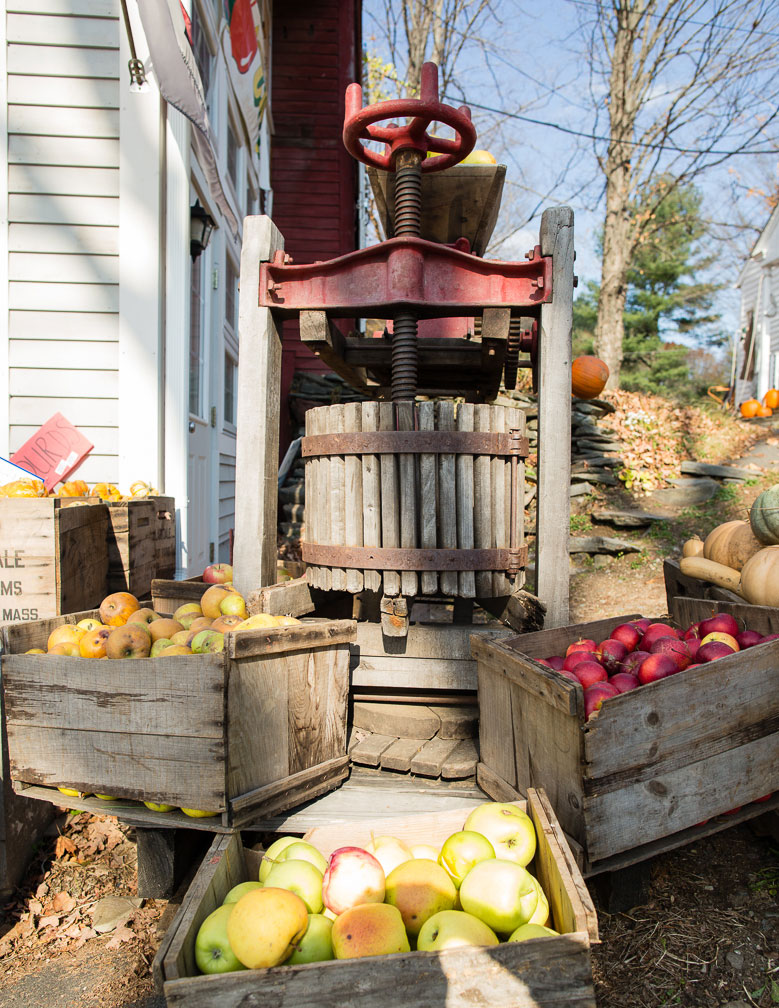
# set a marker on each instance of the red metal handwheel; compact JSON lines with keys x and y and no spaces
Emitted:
{"x":360,"y":124}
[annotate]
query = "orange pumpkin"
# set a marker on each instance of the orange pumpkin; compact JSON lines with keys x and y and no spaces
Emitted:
{"x":749,"y":408}
{"x":75,"y":488}
{"x":588,"y":377}
{"x":771,"y":398}
{"x":764,"y":411}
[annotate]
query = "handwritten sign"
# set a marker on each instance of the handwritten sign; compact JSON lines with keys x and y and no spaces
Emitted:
{"x":54,"y":451}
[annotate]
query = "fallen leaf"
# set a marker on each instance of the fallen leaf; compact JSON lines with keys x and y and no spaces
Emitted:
{"x":63,"y":903}
{"x":122,"y":934}
{"x":49,"y":921}
{"x":64,"y":845}
{"x":35,"y":906}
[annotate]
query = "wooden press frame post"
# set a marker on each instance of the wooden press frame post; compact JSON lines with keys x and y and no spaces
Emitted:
{"x":554,"y":421}
{"x":259,"y":394}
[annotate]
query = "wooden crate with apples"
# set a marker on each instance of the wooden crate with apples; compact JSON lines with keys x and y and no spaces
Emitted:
{"x":141,"y":543}
{"x":656,"y":767}
{"x":258,"y":728}
{"x":53,"y":556}
{"x":541,"y":973}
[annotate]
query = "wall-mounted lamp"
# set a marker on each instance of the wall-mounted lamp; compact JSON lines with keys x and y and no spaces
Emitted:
{"x":200,"y":227}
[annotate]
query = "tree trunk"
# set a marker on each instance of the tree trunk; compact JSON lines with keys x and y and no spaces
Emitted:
{"x":610,"y":329}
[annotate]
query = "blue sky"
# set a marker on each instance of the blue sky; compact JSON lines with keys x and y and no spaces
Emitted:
{"x":531,"y":66}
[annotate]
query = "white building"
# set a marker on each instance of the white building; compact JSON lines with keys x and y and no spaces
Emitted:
{"x":109,"y":321}
{"x":757,"y":358}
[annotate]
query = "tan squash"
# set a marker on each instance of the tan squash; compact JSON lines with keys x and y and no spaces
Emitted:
{"x":760,"y":578}
{"x":693,"y":547}
{"x":714,"y":573}
{"x":731,"y":544}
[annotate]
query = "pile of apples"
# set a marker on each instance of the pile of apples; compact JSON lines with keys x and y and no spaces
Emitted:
{"x":640,"y":652}
{"x":386,"y":897}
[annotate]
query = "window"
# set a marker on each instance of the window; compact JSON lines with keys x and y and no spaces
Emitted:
{"x":231,"y":296}
{"x":231,"y":373}
{"x":748,"y":362}
{"x":233,"y":154}
{"x":196,"y":339}
{"x":201,"y":49}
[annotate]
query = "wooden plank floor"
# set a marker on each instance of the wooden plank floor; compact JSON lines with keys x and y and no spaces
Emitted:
{"x":376,"y":794}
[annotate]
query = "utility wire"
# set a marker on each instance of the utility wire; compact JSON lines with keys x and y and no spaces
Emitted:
{"x":701,"y":24}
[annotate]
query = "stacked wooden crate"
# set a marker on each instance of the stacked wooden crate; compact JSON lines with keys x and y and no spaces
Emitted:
{"x":141,"y":543}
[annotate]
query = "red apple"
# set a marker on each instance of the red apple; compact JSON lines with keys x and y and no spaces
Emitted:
{"x":674,"y":648}
{"x":575,"y":657}
{"x":733,"y":810}
{"x":693,"y":632}
{"x":654,"y":631}
{"x":595,"y":695}
{"x":748,"y":638}
{"x":713,"y":650}
{"x":693,"y":644}
{"x":633,"y":661}
{"x":543,"y":661}
{"x":568,"y":674}
{"x":611,"y":652}
{"x":556,"y":661}
{"x":773,"y":636}
{"x":766,"y":797}
{"x":724,"y":637}
{"x":583,"y":644}
{"x":628,"y":634}
{"x":219,"y":573}
{"x":624,"y":682}
{"x":720,"y":623}
{"x":656,"y":666}
{"x":588,"y":673}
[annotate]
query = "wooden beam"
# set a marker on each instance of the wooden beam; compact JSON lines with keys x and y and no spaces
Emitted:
{"x":554,"y":420}
{"x":257,"y":444}
{"x":319,"y":334}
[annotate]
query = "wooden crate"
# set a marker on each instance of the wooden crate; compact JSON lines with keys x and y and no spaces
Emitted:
{"x":542,"y":973}
{"x":259,"y":728}
{"x":141,"y":543}
{"x":657,"y":767}
{"x":168,"y":595}
{"x":678,"y":585}
{"x":53,"y":556}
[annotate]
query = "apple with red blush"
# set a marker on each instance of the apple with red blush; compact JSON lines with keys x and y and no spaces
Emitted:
{"x":583,"y":644}
{"x":641,"y":624}
{"x":675,"y":649}
{"x":720,"y":623}
{"x":577,"y":657}
{"x":633,"y":660}
{"x":589,"y":673}
{"x":712,"y":650}
{"x":656,"y":666}
{"x":624,"y":682}
{"x":768,"y":637}
{"x":654,"y":632}
{"x":748,"y":638}
{"x":628,"y":634}
{"x":611,"y":653}
{"x":595,"y":695}
{"x":724,"y":637}
{"x":556,"y":661}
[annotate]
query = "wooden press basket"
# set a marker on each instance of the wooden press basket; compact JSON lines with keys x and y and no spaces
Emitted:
{"x":415,"y":498}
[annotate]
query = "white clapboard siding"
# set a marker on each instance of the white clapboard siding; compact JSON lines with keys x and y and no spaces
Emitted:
{"x":47,"y":30}
{"x":52,"y":209}
{"x":105,"y":439}
{"x":85,"y":8}
{"x":96,"y":467}
{"x":87,"y":152}
{"x":226,"y":494}
{"x":88,"y":269}
{"x":34,"y":410}
{"x":64,"y":354}
{"x":62,"y":61}
{"x":42,"y":325}
{"x":51,"y":382}
{"x":64,"y":92}
{"x":67,"y":181}
{"x":97,"y":240}
{"x":68,"y":122}
{"x":63,"y":297}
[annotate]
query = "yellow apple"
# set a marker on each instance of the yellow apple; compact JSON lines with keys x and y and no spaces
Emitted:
{"x":369,"y":929}
{"x":508,"y":829}
{"x":461,"y":851}
{"x":423,"y":850}
{"x":316,"y":944}
{"x":159,"y":646}
{"x":266,"y":926}
{"x":525,"y":931}
{"x":90,"y":623}
{"x":212,"y":599}
{"x":419,"y":889}
{"x":198,"y":813}
{"x":156,"y":807}
{"x":541,"y":913}
{"x":233,"y":605}
{"x":452,"y":929}
{"x":186,"y":613}
{"x":260,"y":621}
{"x":500,"y":893}
{"x":388,"y":851}
{"x":299,"y":877}
{"x":303,"y":851}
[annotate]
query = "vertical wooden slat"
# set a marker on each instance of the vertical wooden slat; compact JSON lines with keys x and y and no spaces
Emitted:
{"x":311,"y":496}
{"x":371,"y":494}
{"x":390,"y":501}
{"x":482,"y":501}
{"x":517,"y":422}
{"x":335,"y":425}
{"x":554,"y":420}
{"x":464,"y":466}
{"x":409,"y":580}
{"x":325,"y":576}
{"x":353,"y":513}
{"x":447,"y":513}
{"x":427,"y":498}
{"x":500,"y":518}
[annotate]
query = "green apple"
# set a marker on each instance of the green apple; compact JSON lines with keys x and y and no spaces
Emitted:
{"x":388,"y":851}
{"x":301,"y":878}
{"x":207,"y":642}
{"x":525,"y":931}
{"x":500,"y":893}
{"x":317,"y":942}
{"x":240,"y":890}
{"x":425,"y":851}
{"x":160,"y":645}
{"x":213,"y":953}
{"x":272,"y":853}
{"x":541,"y":912}
{"x":508,"y":829}
{"x":461,"y":851}
{"x":453,"y":928}
{"x":303,"y":851}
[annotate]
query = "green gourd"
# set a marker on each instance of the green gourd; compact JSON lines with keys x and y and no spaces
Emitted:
{"x":764,"y":516}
